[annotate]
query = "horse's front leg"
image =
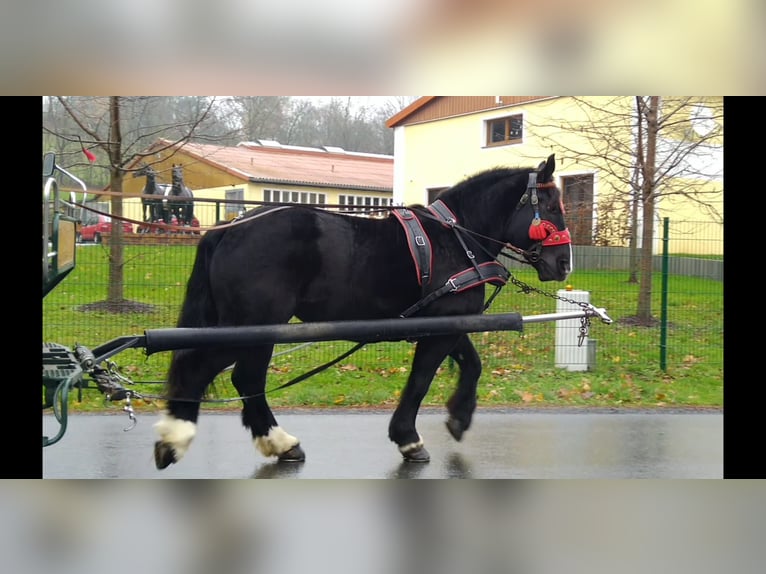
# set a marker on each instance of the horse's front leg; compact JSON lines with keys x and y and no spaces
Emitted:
{"x":462,"y":404}
{"x":249,"y":378}
{"x":429,"y":354}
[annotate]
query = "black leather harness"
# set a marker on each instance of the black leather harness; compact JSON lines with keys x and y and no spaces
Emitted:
{"x":419,"y":244}
{"x":420,"y":248}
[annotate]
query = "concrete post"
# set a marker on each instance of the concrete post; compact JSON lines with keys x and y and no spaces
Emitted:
{"x":568,"y":354}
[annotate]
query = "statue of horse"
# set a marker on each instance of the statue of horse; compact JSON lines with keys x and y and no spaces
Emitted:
{"x":182,"y":210}
{"x":154,"y":209}
{"x":287,"y":261}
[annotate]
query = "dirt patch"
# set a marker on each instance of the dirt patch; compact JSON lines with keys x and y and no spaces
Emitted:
{"x":118,"y":307}
{"x":635,"y":321}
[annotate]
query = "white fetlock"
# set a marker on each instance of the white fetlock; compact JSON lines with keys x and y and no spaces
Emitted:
{"x":275,"y":443}
{"x":404,"y":449}
{"x":176,"y":432}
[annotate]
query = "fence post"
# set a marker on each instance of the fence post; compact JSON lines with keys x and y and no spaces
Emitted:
{"x":569,"y":353}
{"x":664,"y":295}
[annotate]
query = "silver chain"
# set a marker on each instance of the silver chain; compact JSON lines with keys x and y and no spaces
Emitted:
{"x":587,"y":307}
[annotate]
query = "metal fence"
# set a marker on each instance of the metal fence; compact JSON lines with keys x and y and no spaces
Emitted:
{"x":689,"y":297}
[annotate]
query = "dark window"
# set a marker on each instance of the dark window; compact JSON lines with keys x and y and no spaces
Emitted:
{"x":503,"y":131}
{"x":433,"y":193}
{"x":578,"y":204}
{"x":234,"y":209}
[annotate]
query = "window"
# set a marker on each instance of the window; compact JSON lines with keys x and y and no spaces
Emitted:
{"x":433,"y":193}
{"x":577,"y":191}
{"x":504,"y":131}
{"x":368,"y":202}
{"x":234,"y":209}
{"x":281,"y":196}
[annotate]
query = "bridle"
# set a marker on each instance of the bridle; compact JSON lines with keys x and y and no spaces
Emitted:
{"x":542,"y":231}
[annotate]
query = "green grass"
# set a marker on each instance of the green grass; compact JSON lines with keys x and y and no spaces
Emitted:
{"x":518,"y":368}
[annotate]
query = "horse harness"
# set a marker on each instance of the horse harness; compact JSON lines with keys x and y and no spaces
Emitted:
{"x":420,"y":249}
{"x":493,"y":272}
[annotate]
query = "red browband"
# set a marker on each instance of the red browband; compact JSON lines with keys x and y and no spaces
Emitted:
{"x":548,"y":233}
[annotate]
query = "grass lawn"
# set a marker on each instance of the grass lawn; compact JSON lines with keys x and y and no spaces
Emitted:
{"x":518,"y":367}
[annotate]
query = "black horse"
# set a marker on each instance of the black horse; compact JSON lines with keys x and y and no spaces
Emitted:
{"x":281,"y":262}
{"x":182,"y":210}
{"x":154,"y":209}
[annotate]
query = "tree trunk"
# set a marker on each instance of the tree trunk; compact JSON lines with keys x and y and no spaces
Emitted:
{"x":635,"y":194}
{"x":644,"y":311}
{"x":116,"y":289}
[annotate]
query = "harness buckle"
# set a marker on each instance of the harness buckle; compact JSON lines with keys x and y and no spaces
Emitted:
{"x":451,"y":283}
{"x":420,"y":240}
{"x":470,"y":254}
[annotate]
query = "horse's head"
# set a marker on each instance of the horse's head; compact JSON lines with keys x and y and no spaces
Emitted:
{"x":145,"y":170}
{"x":539,"y":231}
{"x":178,"y":175}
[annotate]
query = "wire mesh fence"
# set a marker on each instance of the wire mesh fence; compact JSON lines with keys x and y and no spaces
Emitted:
{"x":689,"y":297}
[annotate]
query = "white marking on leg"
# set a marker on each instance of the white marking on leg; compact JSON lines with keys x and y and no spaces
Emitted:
{"x":276,"y":442}
{"x":404,"y":449}
{"x":176,"y":432}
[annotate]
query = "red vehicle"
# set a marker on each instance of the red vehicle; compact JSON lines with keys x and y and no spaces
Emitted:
{"x":193,"y":228}
{"x":95,"y":226}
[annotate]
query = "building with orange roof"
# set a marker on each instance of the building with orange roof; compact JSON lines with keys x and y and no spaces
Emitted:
{"x":266,"y":171}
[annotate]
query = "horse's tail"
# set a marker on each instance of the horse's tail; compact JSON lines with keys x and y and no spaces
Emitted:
{"x":198,"y":309}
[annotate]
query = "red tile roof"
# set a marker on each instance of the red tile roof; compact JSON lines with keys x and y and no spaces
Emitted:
{"x":298,"y":165}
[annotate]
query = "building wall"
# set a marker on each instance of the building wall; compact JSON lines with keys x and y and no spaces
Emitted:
{"x":442,"y":152}
{"x":439,"y":153}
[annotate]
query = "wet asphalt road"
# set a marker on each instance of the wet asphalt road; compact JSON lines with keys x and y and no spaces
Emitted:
{"x":354,"y":445}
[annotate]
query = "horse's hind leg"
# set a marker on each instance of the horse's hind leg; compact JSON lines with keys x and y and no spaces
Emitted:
{"x":249,"y":378}
{"x":191,"y":371}
{"x":462,"y":403}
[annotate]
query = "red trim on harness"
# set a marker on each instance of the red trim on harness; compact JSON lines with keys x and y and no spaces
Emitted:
{"x":490,"y":272}
{"x":438,"y":208}
{"x":418,"y":242}
{"x":557,"y":237}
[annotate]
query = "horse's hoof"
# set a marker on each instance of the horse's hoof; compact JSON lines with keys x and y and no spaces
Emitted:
{"x":455,"y":428}
{"x":295,"y":454}
{"x":419,"y":454}
{"x":164,"y":455}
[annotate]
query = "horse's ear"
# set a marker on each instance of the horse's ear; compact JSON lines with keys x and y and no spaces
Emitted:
{"x":546,"y":168}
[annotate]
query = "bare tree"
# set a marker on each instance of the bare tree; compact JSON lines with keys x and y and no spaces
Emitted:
{"x":120,"y":129}
{"x":343,"y":121}
{"x":645,"y":148}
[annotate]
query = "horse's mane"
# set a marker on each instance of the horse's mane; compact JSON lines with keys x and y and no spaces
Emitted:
{"x":483,"y":180}
{"x":488,"y":176}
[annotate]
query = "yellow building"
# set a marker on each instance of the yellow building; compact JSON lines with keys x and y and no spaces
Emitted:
{"x":439,"y":140}
{"x":223,"y":177}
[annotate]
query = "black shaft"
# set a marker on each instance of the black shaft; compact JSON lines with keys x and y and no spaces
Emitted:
{"x":394,"y":329}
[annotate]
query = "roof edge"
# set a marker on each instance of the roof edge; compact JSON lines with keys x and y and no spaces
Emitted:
{"x":393,"y":121}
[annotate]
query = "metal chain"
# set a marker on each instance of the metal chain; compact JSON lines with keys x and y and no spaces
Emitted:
{"x":587,"y":307}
